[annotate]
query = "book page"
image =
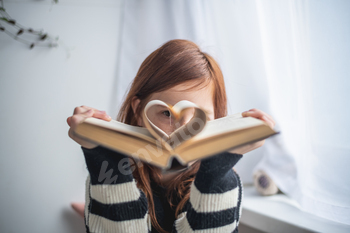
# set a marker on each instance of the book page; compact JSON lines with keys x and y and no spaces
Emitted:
{"x":199,"y":149}
{"x":182,"y":133}
{"x":227,"y":124}
{"x":121,"y":127}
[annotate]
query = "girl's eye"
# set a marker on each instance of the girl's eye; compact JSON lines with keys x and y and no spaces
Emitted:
{"x":166,"y":113}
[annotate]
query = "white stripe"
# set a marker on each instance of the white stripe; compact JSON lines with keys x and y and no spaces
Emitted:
{"x":213,"y":202}
{"x":242,"y":191}
{"x":183,"y":226}
{"x":101,"y":224}
{"x":87,"y":199}
{"x":114,"y":194}
{"x":149,"y":222}
{"x":240,"y":185}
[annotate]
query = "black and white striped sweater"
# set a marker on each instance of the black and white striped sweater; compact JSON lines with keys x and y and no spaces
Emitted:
{"x":115,"y":204}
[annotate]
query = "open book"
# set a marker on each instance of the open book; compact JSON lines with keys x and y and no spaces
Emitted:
{"x":197,"y":139}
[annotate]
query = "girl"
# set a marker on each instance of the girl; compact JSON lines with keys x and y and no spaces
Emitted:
{"x":207,"y":196}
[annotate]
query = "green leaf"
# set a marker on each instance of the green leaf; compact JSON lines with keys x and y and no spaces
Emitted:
{"x":2,"y":29}
{"x":2,"y":9}
{"x":4,"y":19}
{"x":32,"y":45}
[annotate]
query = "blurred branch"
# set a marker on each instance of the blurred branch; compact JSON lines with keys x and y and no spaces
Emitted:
{"x":23,"y":34}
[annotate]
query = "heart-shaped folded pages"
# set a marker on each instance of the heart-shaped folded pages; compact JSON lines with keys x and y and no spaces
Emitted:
{"x":177,"y":112}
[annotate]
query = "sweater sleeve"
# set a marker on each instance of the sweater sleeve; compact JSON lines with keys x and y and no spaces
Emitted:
{"x":113,"y":201}
{"x":215,"y":197}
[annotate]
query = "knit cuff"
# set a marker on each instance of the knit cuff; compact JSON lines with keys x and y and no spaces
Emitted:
{"x":218,"y":165}
{"x":106,"y":166}
{"x":216,"y":172}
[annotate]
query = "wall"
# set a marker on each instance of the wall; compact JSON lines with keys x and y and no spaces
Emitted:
{"x":42,"y":170}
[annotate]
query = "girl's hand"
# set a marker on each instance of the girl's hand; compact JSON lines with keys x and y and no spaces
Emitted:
{"x":256,"y":113}
{"x":79,"y":115}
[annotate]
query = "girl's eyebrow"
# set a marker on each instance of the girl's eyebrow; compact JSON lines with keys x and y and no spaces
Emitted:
{"x":160,"y":107}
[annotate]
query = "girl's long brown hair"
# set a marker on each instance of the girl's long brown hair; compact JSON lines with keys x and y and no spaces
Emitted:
{"x":176,"y":62}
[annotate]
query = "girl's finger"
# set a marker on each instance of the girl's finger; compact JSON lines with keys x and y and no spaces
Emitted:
{"x":268,"y":121}
{"x":256,"y":113}
{"x":81,"y":109}
{"x":84,"y":108}
{"x":96,"y":113}
{"x":270,"y":118}
{"x":263,"y":113}
{"x":78,"y":118}
{"x":69,"y":120}
{"x":101,"y":115}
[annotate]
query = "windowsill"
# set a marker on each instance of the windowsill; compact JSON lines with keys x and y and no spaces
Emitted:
{"x":278,"y":213}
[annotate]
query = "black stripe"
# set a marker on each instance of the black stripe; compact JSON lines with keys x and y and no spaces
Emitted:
{"x":200,"y":221}
{"x":122,"y":211}
{"x":218,"y":185}
{"x":215,"y":174}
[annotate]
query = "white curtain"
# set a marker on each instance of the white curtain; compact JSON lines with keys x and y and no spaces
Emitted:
{"x":289,"y":58}
{"x":307,"y":64}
